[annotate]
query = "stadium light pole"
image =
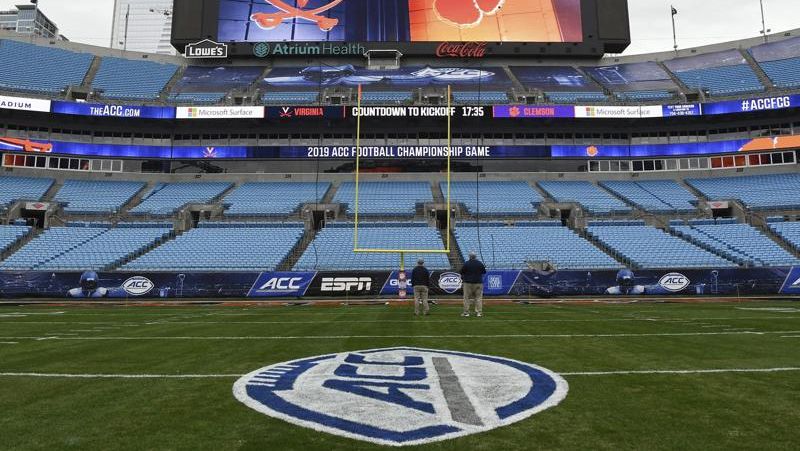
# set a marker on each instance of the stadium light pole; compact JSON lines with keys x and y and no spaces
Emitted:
{"x":764,"y":30}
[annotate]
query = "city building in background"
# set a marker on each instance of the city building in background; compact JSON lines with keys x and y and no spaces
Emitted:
{"x":21,"y":20}
{"x":142,"y":26}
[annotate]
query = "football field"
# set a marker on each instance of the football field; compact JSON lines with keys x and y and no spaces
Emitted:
{"x":640,"y":376}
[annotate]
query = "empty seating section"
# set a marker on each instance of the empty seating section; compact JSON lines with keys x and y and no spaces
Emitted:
{"x":495,"y":198}
{"x":290,"y":98}
{"x":13,"y":189}
{"x":166,"y":198}
{"x":593,"y":199}
{"x":480,"y":97}
{"x":39,"y":69}
{"x":789,"y":231}
{"x":780,"y":61}
{"x":234,"y":248}
{"x":86,"y":196}
{"x":721,"y":73}
{"x":386,"y":97}
{"x":741,"y":243}
{"x":384,"y":198}
{"x":502,"y":247}
{"x":645,"y":96}
{"x":646,"y":247}
{"x":273,"y":199}
{"x":759,"y":192}
{"x":332,"y":249}
{"x":124,"y":79}
{"x":208,"y":85}
{"x":108,"y":249}
{"x":10,"y":234}
{"x":657,"y":196}
{"x":49,"y":245}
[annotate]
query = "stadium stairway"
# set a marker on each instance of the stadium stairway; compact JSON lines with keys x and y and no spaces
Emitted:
{"x":762,"y":76}
{"x":683,"y":88}
{"x":297,"y":251}
{"x":20,"y":243}
{"x":176,"y":77}
{"x":89,"y":78}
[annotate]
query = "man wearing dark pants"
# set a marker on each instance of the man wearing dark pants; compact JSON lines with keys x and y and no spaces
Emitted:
{"x":472,"y":277}
{"x":420,"y":280}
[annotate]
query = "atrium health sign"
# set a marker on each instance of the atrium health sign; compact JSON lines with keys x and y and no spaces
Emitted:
{"x":401,"y":396}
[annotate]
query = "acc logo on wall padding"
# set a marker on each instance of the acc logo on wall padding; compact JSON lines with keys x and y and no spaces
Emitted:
{"x":401,"y":396}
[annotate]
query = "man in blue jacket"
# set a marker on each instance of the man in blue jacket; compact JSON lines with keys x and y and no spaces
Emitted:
{"x":472,"y":277}
{"x":421,"y":280}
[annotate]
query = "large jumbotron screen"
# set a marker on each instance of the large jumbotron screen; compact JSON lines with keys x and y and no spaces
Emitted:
{"x":400,"y":20}
{"x":414,"y":27}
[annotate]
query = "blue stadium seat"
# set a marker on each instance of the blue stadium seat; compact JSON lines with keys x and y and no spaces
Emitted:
{"x":644,"y":96}
{"x":272,"y":199}
{"x":722,"y":81}
{"x":86,"y":196}
{"x":384,"y":198}
{"x":480,"y":97}
{"x":741,"y":243}
{"x":39,"y":69}
{"x":575,"y":97}
{"x":332,"y":249}
{"x":10,"y":234}
{"x":123,"y":79}
{"x":789,"y":231}
{"x":656,"y":196}
{"x":229,"y":247}
{"x":495,"y":198}
{"x":167,"y":198}
{"x":758,"y":192}
{"x":503,"y":247}
{"x":595,"y":200}
{"x":649,"y":248}
{"x":82,"y":248}
{"x":784,"y":73}
{"x":196,"y":98}
{"x":13,"y":189}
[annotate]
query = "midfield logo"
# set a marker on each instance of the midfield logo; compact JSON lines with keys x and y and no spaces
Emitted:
{"x":401,"y":396}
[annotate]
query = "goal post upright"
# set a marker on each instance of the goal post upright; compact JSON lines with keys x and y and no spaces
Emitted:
{"x":356,"y":248}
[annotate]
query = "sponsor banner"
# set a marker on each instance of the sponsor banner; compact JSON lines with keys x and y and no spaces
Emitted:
{"x":206,"y":49}
{"x":123,"y":111}
{"x":649,"y":150}
{"x":220,"y":112}
{"x":533,"y":111}
{"x":304,"y":112}
{"x":752,"y":105}
{"x":281,"y":284}
{"x":23,"y":104}
{"x":615,"y":112}
{"x":792,"y":283}
{"x":347,"y":284}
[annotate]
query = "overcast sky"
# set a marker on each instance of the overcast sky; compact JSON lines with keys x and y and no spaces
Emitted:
{"x":699,"y":22}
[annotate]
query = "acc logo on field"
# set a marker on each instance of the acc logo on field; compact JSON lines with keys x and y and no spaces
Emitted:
{"x":137,"y":286}
{"x":674,"y":282}
{"x":450,"y":282}
{"x":401,"y":396}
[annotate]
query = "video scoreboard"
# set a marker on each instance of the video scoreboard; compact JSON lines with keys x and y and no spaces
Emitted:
{"x":443,"y":28}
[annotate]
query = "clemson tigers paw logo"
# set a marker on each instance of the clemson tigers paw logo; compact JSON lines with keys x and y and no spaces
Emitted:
{"x":466,"y":13}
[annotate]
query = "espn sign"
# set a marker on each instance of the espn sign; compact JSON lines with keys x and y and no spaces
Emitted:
{"x":345,"y":284}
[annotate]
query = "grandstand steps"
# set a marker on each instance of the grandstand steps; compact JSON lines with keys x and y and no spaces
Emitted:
{"x":454,"y":257}
{"x":764,"y":228}
{"x":762,"y":76}
{"x":297,"y":251}
{"x":583,"y":233}
{"x":684,"y":90}
{"x":328,"y":197}
{"x":701,"y":245}
{"x":138,"y":197}
{"x":50,"y":194}
{"x":138,"y":253}
{"x":93,"y":69}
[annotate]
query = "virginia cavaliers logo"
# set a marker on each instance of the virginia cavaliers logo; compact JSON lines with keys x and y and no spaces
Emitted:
{"x":270,"y":21}
{"x":466,"y":13}
{"x":401,"y":396}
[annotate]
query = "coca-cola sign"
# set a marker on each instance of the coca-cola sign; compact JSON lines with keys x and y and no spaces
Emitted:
{"x":461,"y":50}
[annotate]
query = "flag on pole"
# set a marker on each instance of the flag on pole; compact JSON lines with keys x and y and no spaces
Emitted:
{"x":674,"y":11}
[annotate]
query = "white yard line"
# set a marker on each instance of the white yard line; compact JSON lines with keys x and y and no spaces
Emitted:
{"x":710,"y":371}
{"x":345,"y":337}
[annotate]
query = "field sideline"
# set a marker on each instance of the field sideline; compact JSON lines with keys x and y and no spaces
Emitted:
{"x":641,"y":376}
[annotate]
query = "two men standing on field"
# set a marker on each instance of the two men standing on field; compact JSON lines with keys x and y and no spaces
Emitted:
{"x":472,"y":280}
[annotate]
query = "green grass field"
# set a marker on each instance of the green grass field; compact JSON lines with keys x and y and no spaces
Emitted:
{"x":637,"y":373}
